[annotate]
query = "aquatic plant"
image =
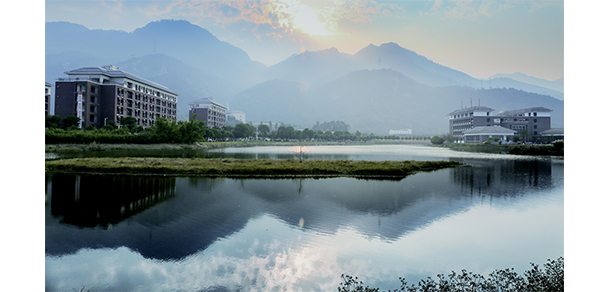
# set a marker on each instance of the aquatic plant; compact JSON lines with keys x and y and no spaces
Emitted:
{"x":550,"y":279}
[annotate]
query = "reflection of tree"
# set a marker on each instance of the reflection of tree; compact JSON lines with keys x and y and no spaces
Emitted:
{"x":92,"y":200}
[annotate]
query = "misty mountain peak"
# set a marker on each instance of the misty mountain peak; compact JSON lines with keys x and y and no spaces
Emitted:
{"x":174,"y":28}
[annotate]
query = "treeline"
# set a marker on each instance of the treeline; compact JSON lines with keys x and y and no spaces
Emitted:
{"x":66,"y":131}
{"x":549,"y":279}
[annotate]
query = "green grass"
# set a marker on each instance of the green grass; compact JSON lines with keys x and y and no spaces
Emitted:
{"x":244,"y":167}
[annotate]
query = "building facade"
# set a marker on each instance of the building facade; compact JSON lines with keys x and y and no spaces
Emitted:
{"x":101,"y":94}
{"x":209,"y":111}
{"x":481,"y":134}
{"x":528,"y":123}
{"x":47,"y":98}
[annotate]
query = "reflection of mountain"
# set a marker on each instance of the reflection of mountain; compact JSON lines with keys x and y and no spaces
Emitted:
{"x":204,"y":210}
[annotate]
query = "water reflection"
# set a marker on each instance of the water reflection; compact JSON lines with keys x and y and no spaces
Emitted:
{"x":127,"y":233}
{"x":90,"y":200}
{"x":171,"y":218}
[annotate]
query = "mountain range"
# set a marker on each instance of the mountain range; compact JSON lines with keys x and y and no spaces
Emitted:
{"x":374,"y":90}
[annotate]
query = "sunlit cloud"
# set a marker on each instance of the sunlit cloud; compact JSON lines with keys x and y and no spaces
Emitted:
{"x":283,"y":17}
{"x":472,"y":9}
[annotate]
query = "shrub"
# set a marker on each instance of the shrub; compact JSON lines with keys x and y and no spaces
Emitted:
{"x":550,"y":279}
{"x":437,"y":140}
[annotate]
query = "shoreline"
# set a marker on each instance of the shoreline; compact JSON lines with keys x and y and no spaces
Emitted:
{"x":206,"y":145}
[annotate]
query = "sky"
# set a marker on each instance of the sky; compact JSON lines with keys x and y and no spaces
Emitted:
{"x":478,"y":37}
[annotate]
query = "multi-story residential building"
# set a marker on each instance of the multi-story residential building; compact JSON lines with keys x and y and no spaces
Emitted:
{"x":101,"y":94}
{"x":528,"y":123}
{"x":47,"y":98}
{"x":209,"y":111}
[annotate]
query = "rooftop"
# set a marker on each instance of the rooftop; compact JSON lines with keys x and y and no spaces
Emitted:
{"x":471,"y":109}
{"x":491,"y":130}
{"x":538,"y":109}
{"x":552,"y":132}
{"x":114,"y":72}
{"x":205,"y":100}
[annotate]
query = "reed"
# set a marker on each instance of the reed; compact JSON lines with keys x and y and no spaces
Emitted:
{"x":226,"y":167}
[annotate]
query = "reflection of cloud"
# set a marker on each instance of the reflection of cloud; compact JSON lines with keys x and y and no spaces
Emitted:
{"x":262,"y":264}
{"x":269,"y":255}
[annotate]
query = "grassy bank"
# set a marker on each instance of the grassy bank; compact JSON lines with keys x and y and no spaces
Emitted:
{"x":245,"y":167}
{"x":205,"y":145}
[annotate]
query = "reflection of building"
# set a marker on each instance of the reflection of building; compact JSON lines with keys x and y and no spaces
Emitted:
{"x":207,"y":110}
{"x":527,"y":123}
{"x":503,"y":177}
{"x":101,"y":94}
{"x":47,"y":98}
{"x":90,"y":200}
{"x":240,"y":116}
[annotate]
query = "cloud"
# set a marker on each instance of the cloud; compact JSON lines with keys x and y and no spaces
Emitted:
{"x":473,"y":9}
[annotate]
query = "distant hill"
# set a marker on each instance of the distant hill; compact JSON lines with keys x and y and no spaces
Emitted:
{"x":377,"y":89}
{"x":375,"y":101}
{"x":312,"y":69}
{"x":179,"y":40}
{"x":556,"y":85}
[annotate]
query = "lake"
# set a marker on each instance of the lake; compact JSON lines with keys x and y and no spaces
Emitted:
{"x":132,"y":233}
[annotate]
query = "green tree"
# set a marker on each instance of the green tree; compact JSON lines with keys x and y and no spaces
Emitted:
{"x":109,"y":126}
{"x":437,"y":140}
{"x":70,"y":122}
{"x":191,"y":131}
{"x":129,"y":122}
{"x":263,"y":130}
{"x":52,"y":121}
{"x":244,"y":130}
{"x":166,"y":131}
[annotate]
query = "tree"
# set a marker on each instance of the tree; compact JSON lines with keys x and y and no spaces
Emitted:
{"x":109,"y":126}
{"x":263,"y":130}
{"x":437,"y":140}
{"x":243,"y":131}
{"x":129,"y":122}
{"x":166,"y":131}
{"x":70,"y":122}
{"x":52,"y":121}
{"x":191,"y":131}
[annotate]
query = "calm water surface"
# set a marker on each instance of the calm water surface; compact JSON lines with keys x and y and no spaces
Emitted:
{"x":129,"y":233}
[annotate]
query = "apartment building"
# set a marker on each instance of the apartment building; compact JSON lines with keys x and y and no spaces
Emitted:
{"x":101,"y":94}
{"x":47,"y":98}
{"x":528,"y":123}
{"x":209,"y":111}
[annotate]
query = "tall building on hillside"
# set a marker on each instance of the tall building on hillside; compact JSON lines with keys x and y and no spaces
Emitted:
{"x":47,"y":98}
{"x":101,"y":94}
{"x":528,"y":123}
{"x":209,"y":111}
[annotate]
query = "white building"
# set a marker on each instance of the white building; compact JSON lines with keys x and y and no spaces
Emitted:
{"x":238,"y":115}
{"x":403,"y":132}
